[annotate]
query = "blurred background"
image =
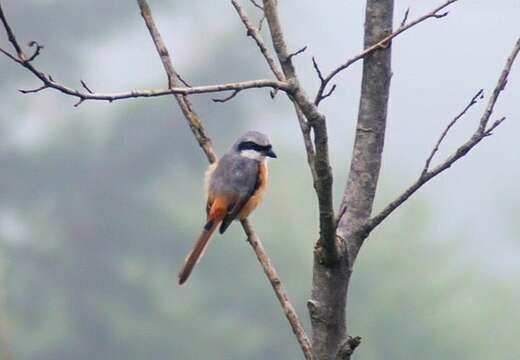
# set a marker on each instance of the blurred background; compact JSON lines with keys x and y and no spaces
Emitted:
{"x":100,"y":204}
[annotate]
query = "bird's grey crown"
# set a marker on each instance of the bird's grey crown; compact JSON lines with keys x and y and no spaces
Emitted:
{"x":252,"y":136}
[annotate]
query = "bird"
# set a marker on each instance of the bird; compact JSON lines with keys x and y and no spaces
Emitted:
{"x":234,"y":186}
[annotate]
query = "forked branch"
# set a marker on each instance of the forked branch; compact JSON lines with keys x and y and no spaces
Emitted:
{"x":473,"y":101}
{"x":320,"y":167}
{"x":483,"y":130}
{"x":49,"y":83}
{"x":253,"y":238}
{"x":434,"y":14}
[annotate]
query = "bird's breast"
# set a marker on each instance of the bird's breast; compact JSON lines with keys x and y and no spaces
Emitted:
{"x":258,"y":194}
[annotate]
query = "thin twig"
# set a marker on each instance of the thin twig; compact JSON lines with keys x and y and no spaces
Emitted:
{"x":10,"y":35}
{"x":9,"y":55}
{"x":489,"y":131}
{"x":254,"y":33}
{"x":269,"y":58}
{"x":317,"y":68}
{"x":269,"y":270}
{"x":329,"y":93}
{"x":31,"y":91}
{"x":227,"y":98}
{"x":405,"y":18}
{"x":298,"y":52}
{"x":182,"y":80}
{"x":36,"y":51}
{"x":434,"y":14}
{"x":473,"y":101}
{"x":257,"y":5}
{"x":479,"y":134}
{"x":84,"y":84}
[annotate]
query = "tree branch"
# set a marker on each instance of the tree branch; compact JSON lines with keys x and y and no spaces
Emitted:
{"x":434,"y":14}
{"x":253,"y":239}
{"x":255,"y":35}
{"x":482,"y":132}
{"x":49,"y":83}
{"x":274,"y":279}
{"x":473,"y":101}
{"x":132,"y":94}
{"x":269,"y":58}
{"x":322,"y":170}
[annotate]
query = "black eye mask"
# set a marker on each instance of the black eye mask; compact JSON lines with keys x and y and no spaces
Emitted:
{"x":249,"y":145}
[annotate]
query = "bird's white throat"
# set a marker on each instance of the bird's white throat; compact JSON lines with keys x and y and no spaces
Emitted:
{"x":252,"y":154}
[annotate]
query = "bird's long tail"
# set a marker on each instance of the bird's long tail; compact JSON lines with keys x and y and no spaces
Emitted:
{"x":198,"y":250}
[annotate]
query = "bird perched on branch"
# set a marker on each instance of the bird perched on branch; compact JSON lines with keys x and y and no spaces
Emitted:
{"x":234,"y":185}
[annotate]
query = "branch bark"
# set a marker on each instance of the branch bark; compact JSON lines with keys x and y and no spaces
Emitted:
{"x":484,"y":130}
{"x":382,"y":43}
{"x":253,"y":239}
{"x":329,"y":294}
{"x":320,"y":164}
{"x":49,"y":83}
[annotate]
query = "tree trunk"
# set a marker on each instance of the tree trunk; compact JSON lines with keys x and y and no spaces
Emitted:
{"x":328,"y":302}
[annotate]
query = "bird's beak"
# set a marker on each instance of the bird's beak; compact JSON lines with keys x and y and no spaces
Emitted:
{"x":271,"y":154}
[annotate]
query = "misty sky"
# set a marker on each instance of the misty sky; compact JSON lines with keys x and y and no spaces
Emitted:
{"x":438,"y":66}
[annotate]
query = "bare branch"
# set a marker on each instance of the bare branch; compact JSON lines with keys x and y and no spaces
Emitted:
{"x":329,"y":93}
{"x":317,"y":68}
{"x":195,"y":123}
{"x":307,"y":140}
{"x":320,"y":167}
{"x":79,"y":102}
{"x":36,"y":51}
{"x":10,"y":35}
{"x":405,"y":18}
{"x":31,"y":91}
{"x":204,"y":89}
{"x":481,"y":133}
{"x":257,"y":5}
{"x":233,"y":94}
{"x":48,"y":81}
{"x":182,"y":80}
{"x":84,"y":84}
{"x":274,"y":279}
{"x":434,"y":14}
{"x":298,"y":52}
{"x":255,"y":34}
{"x":261,"y":8}
{"x":500,"y":86}
{"x":489,"y":131}
{"x":9,"y":55}
{"x":473,"y":101}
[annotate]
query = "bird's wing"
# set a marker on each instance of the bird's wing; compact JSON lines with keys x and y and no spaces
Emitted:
{"x":243,"y":177}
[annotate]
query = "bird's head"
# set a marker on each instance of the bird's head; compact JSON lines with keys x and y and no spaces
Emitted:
{"x":254,"y":145}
